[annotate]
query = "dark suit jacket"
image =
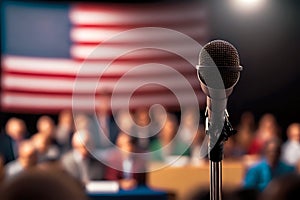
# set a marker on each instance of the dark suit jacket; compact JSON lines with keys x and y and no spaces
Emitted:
{"x":95,"y":130}
{"x":114,"y":168}
{"x":6,"y":148}
{"x":95,"y":167}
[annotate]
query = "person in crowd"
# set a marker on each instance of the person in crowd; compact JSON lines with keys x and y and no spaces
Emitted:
{"x":44,"y":184}
{"x":245,"y":132}
{"x":15,"y":133}
{"x":45,"y":125}
{"x":267,"y":129}
{"x":284,"y":187}
{"x":107,"y":129}
{"x":291,"y":148}
{"x":166,"y":144}
{"x":79,"y":161}
{"x":124,"y":165}
{"x":124,"y":121}
{"x":143,"y":128}
{"x":26,"y":160}
{"x":46,"y":150}
{"x":189,"y":134}
{"x":65,"y":130}
{"x":259,"y":175}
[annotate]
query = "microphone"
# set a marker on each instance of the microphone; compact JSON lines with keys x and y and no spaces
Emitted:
{"x":218,"y":71}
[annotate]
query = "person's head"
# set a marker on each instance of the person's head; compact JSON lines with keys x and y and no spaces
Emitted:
{"x":81,"y":142}
{"x":126,"y":143}
{"x":41,"y":142}
{"x":142,"y":117}
{"x":36,"y":184}
{"x":46,"y":125}
{"x":293,"y":132}
{"x":103,"y":102}
{"x":16,"y":129}
{"x":65,"y":118}
{"x":272,"y":151}
{"x":283,"y":187}
{"x":27,"y":154}
{"x":169,"y":129}
{"x":124,"y":120}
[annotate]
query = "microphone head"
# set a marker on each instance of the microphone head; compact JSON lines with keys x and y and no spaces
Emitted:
{"x":219,"y":65}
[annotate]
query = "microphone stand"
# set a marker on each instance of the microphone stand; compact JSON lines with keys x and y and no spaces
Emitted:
{"x":217,"y":136}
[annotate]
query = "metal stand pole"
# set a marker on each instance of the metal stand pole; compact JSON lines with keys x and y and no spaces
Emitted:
{"x":217,"y":136}
{"x":215,"y":180}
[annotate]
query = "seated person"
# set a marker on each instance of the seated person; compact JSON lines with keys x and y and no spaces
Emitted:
{"x":259,"y":175}
{"x":27,"y":159}
{"x":46,"y":150}
{"x":79,"y":162}
{"x":167,"y":144}
{"x":124,"y":165}
{"x":291,"y":148}
{"x":15,"y":132}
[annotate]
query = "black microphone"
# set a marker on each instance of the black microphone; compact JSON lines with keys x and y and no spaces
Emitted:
{"x":218,"y":71}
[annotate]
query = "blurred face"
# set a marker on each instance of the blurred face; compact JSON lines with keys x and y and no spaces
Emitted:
{"x":27,"y":154}
{"x":16,"y":129}
{"x":294,"y":132}
{"x":142,"y":117}
{"x":103,"y":104}
{"x":168,"y":131}
{"x":272,"y":153}
{"x":80,"y":143}
{"x":124,"y":143}
{"x":41,"y":143}
{"x":46,"y":126}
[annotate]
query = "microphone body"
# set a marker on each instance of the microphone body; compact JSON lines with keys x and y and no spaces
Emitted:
{"x":218,"y":71}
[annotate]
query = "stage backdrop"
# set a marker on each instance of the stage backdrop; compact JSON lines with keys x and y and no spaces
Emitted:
{"x":47,"y":47}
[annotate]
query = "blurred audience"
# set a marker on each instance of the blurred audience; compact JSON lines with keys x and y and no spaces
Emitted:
{"x":283,"y":188}
{"x":166,"y":144}
{"x":291,"y":148}
{"x":37,"y":184}
{"x":267,"y":129}
{"x":65,"y":130}
{"x":124,"y":165}
{"x":79,"y":161}
{"x":27,"y":159}
{"x":46,"y":151}
{"x":15,"y":133}
{"x":259,"y":175}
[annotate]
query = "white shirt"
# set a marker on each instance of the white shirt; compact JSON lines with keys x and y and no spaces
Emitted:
{"x":291,"y":152}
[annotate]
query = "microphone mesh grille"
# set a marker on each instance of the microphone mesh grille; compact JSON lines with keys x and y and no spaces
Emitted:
{"x":223,"y":55}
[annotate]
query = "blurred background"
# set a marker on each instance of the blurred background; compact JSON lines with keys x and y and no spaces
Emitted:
{"x":50,"y":66}
{"x":264,"y":32}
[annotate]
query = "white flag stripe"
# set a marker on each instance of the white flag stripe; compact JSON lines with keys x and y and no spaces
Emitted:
{"x":106,"y":52}
{"x":99,"y":34}
{"x":87,"y":103}
{"x":35,"y":65}
{"x":136,"y":15}
{"x":86,"y":85}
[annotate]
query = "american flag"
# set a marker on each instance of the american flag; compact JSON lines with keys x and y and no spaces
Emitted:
{"x":47,"y":47}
